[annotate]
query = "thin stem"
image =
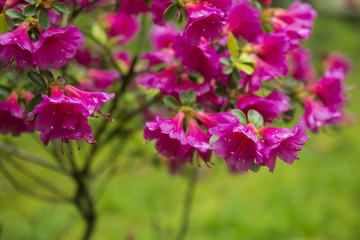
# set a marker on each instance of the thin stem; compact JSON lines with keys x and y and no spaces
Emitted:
{"x":184,"y":224}
{"x":46,"y":185}
{"x":30,"y":158}
{"x":1,"y":228}
{"x":23,"y":189}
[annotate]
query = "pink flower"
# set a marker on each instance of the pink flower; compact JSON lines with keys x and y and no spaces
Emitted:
{"x":163,"y":36}
{"x":302,"y":68}
{"x":157,"y":9}
{"x":56,"y":45}
{"x":122,"y":26}
{"x":17,"y":46}
{"x":330,"y":88}
{"x":238,"y":144}
{"x":270,"y":107}
{"x":266,"y":2}
{"x":169,"y":136}
{"x":62,"y":117}
{"x":243,"y":20}
{"x":103,"y":78}
{"x":159,"y":56}
{"x":200,"y":58}
{"x":133,"y":7}
{"x":297,"y":21}
{"x":165,"y":80}
{"x":283,"y":143}
{"x":91,"y":100}
{"x":337,"y":60}
{"x":204,"y":20}
{"x":316,"y":115}
{"x":270,"y":57}
{"x":199,"y":140}
{"x":12,"y":118}
{"x":213,"y":119}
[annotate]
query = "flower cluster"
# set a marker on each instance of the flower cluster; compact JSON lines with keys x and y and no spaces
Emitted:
{"x":245,"y":57}
{"x":228,"y":77}
{"x":65,"y":117}
{"x":54,"y":46}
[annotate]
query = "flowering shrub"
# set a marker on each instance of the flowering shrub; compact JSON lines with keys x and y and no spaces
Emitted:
{"x":221,"y":85}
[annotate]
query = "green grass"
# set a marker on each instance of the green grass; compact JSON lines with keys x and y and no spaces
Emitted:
{"x":315,"y":198}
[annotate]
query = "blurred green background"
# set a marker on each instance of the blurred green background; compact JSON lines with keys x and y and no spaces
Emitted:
{"x":318,"y":197}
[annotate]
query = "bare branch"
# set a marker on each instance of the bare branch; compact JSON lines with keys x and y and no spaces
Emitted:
{"x":30,"y":158}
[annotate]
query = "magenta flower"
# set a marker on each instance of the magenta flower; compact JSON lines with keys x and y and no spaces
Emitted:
{"x":238,"y":144}
{"x":122,"y":26}
{"x":204,"y":20}
{"x":200,"y":58}
{"x":91,"y":100}
{"x":16,"y":46}
{"x":62,"y":117}
{"x":330,"y":88}
{"x":297,"y":21}
{"x":157,"y":9}
{"x":12,"y":118}
{"x":301,"y":67}
{"x":133,"y":7}
{"x":169,"y":136}
{"x":337,"y":60}
{"x":270,"y":57}
{"x":103,"y":78}
{"x":213,"y":119}
{"x":56,"y":45}
{"x":270,"y":107}
{"x":165,"y":80}
{"x":283,"y":143}
{"x":243,"y":20}
{"x":159,"y":56}
{"x":163,"y":36}
{"x":199,"y":141}
{"x":316,"y":115}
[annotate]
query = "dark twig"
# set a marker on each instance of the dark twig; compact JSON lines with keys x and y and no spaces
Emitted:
{"x":30,"y":158}
{"x":184,"y":224}
{"x":24,"y":190}
{"x":46,"y":185}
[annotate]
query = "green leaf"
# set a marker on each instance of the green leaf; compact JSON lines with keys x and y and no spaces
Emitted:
{"x":221,"y":90}
{"x":148,"y":3}
{"x":3,"y":25}
{"x":213,"y":139}
{"x":170,"y":12}
{"x":31,"y":1}
{"x":48,"y":75}
{"x":235,"y":75}
{"x":233,"y":46}
{"x":12,"y":13}
{"x":61,"y":7}
{"x":4,"y":90}
{"x":240,"y":116}
{"x":228,"y":70}
{"x":60,"y":81}
{"x":36,"y":100}
{"x":244,"y":67}
{"x":30,"y":10}
{"x":225,"y":61}
{"x":171,"y":102}
{"x":255,"y":168}
{"x":255,"y":118}
{"x":192,"y":95}
{"x":184,"y":98}
{"x":44,"y":19}
{"x":55,"y":10}
{"x":247,"y":59}
{"x":37,"y":78}
{"x":99,"y":33}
